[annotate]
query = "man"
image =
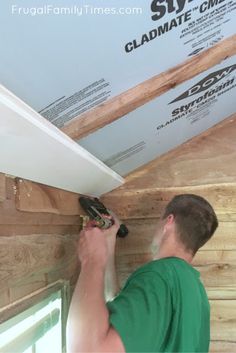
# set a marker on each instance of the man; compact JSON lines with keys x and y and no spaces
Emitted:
{"x":163,"y":306}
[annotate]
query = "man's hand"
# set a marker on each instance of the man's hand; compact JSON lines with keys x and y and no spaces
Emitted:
{"x":111,"y":236}
{"x":97,"y":245}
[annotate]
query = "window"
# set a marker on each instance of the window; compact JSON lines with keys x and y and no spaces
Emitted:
{"x":38,"y":329}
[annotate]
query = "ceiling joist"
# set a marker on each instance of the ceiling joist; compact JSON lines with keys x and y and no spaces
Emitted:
{"x":137,"y":96}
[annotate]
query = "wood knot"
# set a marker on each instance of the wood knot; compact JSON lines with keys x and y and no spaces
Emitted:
{"x":59,"y":252}
{"x":173,"y":84}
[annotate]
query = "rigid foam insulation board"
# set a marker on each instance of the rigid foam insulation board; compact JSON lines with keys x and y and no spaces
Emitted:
{"x":33,"y":148}
{"x":65,"y":57}
{"x":167,"y":121}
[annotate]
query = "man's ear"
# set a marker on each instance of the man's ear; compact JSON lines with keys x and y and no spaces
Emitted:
{"x":170,"y":219}
{"x":169,"y":222}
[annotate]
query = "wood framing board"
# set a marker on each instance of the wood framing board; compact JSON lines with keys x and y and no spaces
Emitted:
{"x":47,"y":229}
{"x":16,"y":222}
{"x":34,"y":197}
{"x":32,"y":148}
{"x":10,"y":216}
{"x":146,"y":91}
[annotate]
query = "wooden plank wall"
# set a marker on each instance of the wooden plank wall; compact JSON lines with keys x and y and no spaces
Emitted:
{"x":39,"y":227}
{"x":204,"y":166}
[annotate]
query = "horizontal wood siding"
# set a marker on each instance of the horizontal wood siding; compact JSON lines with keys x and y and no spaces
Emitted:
{"x":39,"y":228}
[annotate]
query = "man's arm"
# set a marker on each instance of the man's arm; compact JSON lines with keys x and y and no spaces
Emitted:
{"x":111,"y":280}
{"x":88,"y":327}
{"x":112,"y":286}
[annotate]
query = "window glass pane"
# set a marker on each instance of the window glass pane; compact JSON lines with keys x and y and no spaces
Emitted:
{"x":29,"y":350}
{"x":50,"y":340}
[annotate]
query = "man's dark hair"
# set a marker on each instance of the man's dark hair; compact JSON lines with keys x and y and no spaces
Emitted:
{"x":195,"y":220}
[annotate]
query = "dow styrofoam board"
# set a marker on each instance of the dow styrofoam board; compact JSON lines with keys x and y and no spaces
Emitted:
{"x":167,"y":121}
{"x":80,"y":58}
{"x":33,"y":148}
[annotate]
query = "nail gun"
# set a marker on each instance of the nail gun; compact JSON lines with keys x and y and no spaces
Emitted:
{"x":96,"y":210}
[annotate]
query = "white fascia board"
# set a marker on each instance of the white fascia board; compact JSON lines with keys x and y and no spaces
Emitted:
{"x":34,"y":149}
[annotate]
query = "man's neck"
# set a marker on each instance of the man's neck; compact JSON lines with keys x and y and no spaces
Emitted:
{"x":182,"y":254}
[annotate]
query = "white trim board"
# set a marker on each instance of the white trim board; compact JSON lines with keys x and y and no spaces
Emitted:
{"x":34,"y":149}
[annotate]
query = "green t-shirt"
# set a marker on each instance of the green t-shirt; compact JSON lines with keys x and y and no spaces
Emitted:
{"x":163,"y":307}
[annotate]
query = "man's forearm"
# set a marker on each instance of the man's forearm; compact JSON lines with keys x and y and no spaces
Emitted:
{"x":88,"y":320}
{"x":111,"y":280}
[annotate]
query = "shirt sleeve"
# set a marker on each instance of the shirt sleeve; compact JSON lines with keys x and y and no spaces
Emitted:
{"x":141,"y":313}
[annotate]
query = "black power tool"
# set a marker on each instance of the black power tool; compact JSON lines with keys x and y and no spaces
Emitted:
{"x":95,"y":209}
